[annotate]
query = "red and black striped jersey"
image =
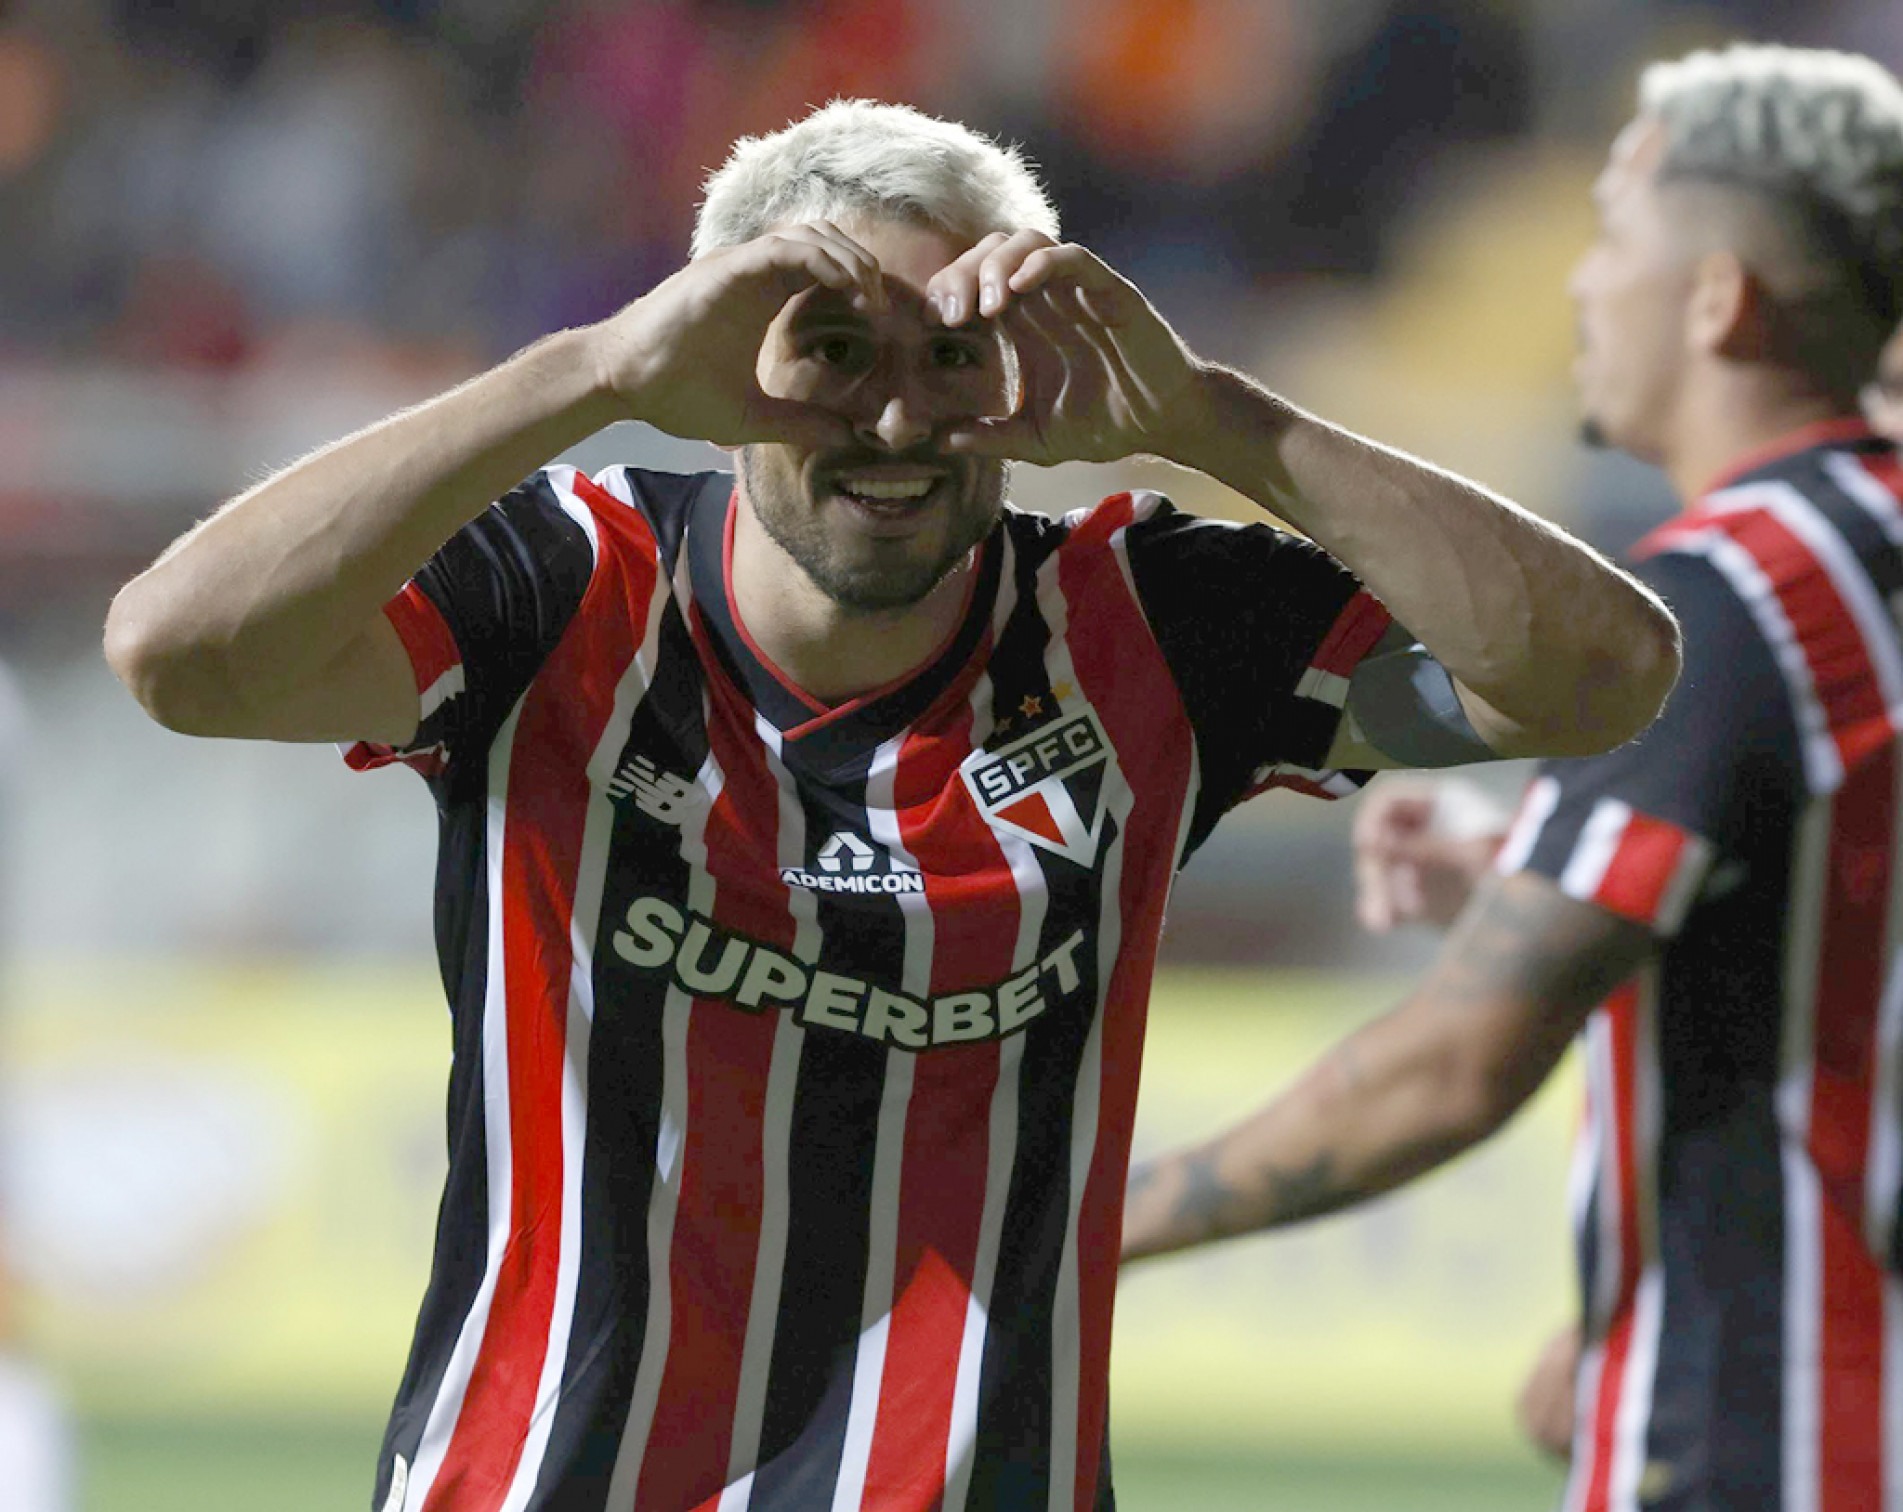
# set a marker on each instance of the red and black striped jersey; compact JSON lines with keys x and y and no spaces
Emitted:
{"x":796,"y":1046}
{"x":1736,"y":1183}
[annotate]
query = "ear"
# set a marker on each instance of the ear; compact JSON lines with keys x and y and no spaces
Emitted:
{"x":1725,"y":311}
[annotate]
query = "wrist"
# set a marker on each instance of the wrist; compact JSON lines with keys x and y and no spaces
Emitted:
{"x":1231,"y":429}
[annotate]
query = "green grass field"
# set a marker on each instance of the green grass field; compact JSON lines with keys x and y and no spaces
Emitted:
{"x":158,"y":1466}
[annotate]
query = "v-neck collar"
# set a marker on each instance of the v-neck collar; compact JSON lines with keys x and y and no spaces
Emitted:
{"x":830,"y":733}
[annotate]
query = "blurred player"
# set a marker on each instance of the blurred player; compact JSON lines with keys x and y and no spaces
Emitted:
{"x":1727,"y":890}
{"x":806,"y":835}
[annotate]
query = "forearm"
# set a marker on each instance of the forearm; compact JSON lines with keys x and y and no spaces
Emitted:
{"x":1413,"y":1088}
{"x":1571,"y":654}
{"x":1378,"y":1109}
{"x":271,"y":588}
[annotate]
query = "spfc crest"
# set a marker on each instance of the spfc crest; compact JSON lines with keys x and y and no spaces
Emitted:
{"x":1047,"y":787}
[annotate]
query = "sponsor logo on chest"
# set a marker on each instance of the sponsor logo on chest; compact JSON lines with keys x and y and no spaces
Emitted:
{"x":849,"y":863}
{"x":1047,"y":787}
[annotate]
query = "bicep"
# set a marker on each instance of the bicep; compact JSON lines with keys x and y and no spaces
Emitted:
{"x":366,"y":692}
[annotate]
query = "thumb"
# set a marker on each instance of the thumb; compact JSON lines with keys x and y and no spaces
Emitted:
{"x":1011,"y":438}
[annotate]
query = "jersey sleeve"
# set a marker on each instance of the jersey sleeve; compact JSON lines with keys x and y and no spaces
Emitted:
{"x":1261,"y":630}
{"x":1639,"y":830}
{"x":479,"y":619}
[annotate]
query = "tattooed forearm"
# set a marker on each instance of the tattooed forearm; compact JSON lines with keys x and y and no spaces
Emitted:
{"x":1187,"y":1199}
{"x":1408,"y":1090}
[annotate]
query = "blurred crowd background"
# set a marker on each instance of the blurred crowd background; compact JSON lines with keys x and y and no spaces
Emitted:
{"x":235,"y":229}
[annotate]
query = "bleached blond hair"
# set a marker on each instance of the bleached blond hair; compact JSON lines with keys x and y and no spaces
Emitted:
{"x":862,"y":158}
{"x":1817,"y":138}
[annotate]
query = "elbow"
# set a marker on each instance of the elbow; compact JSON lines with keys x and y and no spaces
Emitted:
{"x":1648,"y":671}
{"x":1618,"y":688}
{"x":165,"y":674}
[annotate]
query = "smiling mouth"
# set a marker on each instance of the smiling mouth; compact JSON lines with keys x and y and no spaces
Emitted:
{"x":885,"y":490}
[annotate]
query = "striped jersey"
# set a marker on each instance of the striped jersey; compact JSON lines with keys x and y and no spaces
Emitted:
{"x":1735,"y":1187}
{"x":795,"y":1046}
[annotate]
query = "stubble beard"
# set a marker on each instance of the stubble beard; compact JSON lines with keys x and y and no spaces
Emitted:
{"x":795,"y":527}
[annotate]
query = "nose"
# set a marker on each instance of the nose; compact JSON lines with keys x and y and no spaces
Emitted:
{"x":901,"y":423}
{"x":895,"y":409}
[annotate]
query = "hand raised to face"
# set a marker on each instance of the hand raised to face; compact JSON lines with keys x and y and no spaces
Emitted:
{"x":1102,"y":375}
{"x":684,"y":357}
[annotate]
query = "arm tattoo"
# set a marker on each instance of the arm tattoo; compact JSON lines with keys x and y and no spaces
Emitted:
{"x":1206,"y":1206}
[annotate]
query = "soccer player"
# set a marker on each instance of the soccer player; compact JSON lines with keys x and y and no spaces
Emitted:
{"x":805,"y":833}
{"x":1717,"y":904}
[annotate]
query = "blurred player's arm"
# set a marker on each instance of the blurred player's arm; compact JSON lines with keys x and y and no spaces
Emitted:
{"x":265,"y":620}
{"x":1410,"y":1090}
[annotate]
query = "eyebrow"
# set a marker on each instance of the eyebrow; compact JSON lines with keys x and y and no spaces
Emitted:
{"x":827,"y":307}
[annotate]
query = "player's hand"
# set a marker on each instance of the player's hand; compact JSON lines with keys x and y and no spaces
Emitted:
{"x":1101,"y":374}
{"x":685,"y":356}
{"x":1545,"y":1409}
{"x":1421,"y":846}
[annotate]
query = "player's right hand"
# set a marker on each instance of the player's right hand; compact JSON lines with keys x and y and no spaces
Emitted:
{"x":1421,"y":845}
{"x":685,"y":356}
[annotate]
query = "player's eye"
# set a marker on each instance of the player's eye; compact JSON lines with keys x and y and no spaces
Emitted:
{"x":956,"y":354}
{"x":839,"y":351}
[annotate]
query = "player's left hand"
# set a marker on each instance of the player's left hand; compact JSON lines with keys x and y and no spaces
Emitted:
{"x":1101,"y":374}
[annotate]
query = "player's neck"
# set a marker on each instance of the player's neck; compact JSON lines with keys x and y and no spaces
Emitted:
{"x":1723,"y":422}
{"x":830,"y":651}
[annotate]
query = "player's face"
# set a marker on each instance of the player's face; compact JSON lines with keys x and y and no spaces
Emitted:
{"x":878,"y":523}
{"x":1629,"y":294}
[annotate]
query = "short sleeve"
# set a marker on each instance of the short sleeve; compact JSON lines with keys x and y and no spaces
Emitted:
{"x":479,"y":619}
{"x":1639,"y":830}
{"x":1261,"y":630}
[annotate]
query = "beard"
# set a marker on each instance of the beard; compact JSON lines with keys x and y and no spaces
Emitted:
{"x":1593,"y":435}
{"x":882,"y":579}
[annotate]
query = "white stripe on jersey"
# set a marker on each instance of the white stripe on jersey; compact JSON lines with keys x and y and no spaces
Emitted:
{"x":1867,"y":494}
{"x":1536,"y":807}
{"x":440,"y":692}
{"x":1641,"y":1368}
{"x":440,"y":1425}
{"x":670,"y":1154}
{"x":1629,"y":1462}
{"x":1000,"y":1156}
{"x":1583,"y":1462}
{"x":561,"y":479}
{"x":1609,"y":1243}
{"x":1598,"y":843}
{"x":1803,"y":1237}
{"x":584,"y":920}
{"x":1067,"y":1304}
{"x":1681,"y":890}
{"x":1825,"y":542}
{"x":776,"y":1134}
{"x":888,"y":1158}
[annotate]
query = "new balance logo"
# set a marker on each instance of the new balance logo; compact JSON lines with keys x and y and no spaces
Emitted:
{"x":658,"y":794}
{"x":849,"y":864}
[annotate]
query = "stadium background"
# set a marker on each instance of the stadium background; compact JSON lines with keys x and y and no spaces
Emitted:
{"x":236,"y":228}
